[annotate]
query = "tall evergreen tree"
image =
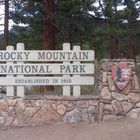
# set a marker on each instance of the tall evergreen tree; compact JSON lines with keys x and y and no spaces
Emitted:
{"x":28,"y":18}
{"x":49,"y":28}
{"x":132,"y":17}
{"x":6,"y":24}
{"x":74,"y":23}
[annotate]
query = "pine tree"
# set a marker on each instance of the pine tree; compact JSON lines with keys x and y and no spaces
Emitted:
{"x":6,"y":24}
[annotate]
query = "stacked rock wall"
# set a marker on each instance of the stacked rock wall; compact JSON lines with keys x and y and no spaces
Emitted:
{"x":115,"y":103}
{"x":30,"y":111}
{"x":111,"y":103}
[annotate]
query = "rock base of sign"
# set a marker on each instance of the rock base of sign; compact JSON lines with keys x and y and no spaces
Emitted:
{"x":110,"y":104}
{"x":116,"y":103}
{"x":32,"y":111}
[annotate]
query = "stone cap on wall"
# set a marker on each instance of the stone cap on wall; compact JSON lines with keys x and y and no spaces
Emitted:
{"x":117,"y":60}
{"x":61,"y":98}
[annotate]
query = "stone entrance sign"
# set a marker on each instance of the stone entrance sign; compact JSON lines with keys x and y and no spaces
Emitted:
{"x":109,"y":104}
{"x":121,"y":74}
{"x":118,"y":89}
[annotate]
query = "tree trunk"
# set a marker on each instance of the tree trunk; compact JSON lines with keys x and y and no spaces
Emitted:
{"x":49,"y":33}
{"x":130,"y":40}
{"x":130,"y":47}
{"x":113,"y":47}
{"x":132,"y":18}
{"x":49,"y":28}
{"x":6,"y":24}
{"x":113,"y":44}
{"x":81,"y":40}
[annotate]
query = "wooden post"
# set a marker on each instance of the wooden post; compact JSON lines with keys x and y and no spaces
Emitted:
{"x":76,"y":89}
{"x":9,"y":89}
{"x":20,"y":89}
{"x":66,"y":89}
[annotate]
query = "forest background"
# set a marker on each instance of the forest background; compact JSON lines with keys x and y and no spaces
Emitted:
{"x":110,"y":27}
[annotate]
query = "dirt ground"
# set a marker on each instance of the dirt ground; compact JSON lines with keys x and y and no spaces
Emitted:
{"x":109,"y":130}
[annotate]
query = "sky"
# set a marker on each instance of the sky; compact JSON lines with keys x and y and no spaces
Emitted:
{"x":2,"y":19}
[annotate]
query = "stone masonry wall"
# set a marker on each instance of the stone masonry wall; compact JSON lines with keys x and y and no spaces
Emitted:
{"x":115,"y":103}
{"x":111,"y":103}
{"x":30,"y":111}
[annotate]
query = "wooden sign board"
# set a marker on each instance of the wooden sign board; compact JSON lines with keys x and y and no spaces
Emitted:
{"x":49,"y":55}
{"x":23,"y":81}
{"x":24,"y":67}
{"x":33,"y":69}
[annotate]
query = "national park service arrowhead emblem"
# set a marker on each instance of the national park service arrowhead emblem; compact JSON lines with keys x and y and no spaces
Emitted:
{"x":121,"y":74}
